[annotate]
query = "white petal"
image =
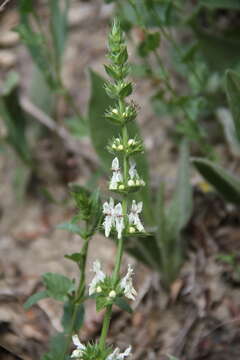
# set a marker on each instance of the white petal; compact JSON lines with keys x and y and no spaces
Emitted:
{"x":115,"y":164}
{"x":99,"y":276}
{"x":77,"y":342}
{"x":139,"y":207}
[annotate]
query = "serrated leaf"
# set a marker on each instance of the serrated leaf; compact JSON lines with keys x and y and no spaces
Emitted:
{"x":35,"y":298}
{"x":101,"y":303}
{"x":233,"y":96}
{"x":221,"y":4}
{"x":123,"y":304}
{"x":224,"y":182}
{"x":69,"y":310}
{"x":57,"y":286}
{"x":75,"y":229}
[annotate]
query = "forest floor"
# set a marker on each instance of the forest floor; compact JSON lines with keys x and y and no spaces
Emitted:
{"x":199,"y":319}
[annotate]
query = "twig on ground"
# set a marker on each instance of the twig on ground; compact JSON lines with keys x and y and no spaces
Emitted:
{"x":2,"y":6}
{"x":46,"y":120}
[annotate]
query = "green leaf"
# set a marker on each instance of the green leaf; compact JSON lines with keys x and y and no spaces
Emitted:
{"x":101,"y":131}
{"x":123,"y":304}
{"x":220,"y":52}
{"x":35,"y":298}
{"x":101,"y":302}
{"x":58,"y":345}
{"x":149,"y":44}
{"x":58,"y":22}
{"x":75,"y":257}
{"x":233,"y":96}
{"x":36,"y":46}
{"x":58,"y":286}
{"x":14,"y":118}
{"x":225,"y":183}
{"x":71,"y":228}
{"x":221,"y":4}
{"x":71,"y":309}
{"x":77,"y":126}
{"x":226,"y":119}
{"x":26,"y":6}
{"x":180,"y":209}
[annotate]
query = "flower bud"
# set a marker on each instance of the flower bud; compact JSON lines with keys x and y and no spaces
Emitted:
{"x":121,"y":187}
{"x":99,"y":289}
{"x":131,"y":230}
{"x":120,"y":147}
{"x":131,"y":183}
{"x":131,"y":142}
{"x":112,"y":294}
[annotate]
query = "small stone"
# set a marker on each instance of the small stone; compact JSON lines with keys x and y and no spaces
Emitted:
{"x":9,"y":38}
{"x":7,"y":59}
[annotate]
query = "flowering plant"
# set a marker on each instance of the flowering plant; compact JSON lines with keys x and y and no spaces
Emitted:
{"x":121,"y":219}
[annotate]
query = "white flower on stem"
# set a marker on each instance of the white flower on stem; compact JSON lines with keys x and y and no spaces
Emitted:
{"x":99,"y":276}
{"x":133,"y":216}
{"x":119,"y":220}
{"x":127,"y":285}
{"x":116,"y":176}
{"x":134,"y":177}
{"x":116,"y":355}
{"x":132,"y":170}
{"x":80,"y":347}
{"x":108,"y":211}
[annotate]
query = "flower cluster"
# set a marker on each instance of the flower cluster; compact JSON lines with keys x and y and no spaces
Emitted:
{"x":114,"y":219}
{"x":102,"y":284}
{"x":92,"y":351}
{"x":133,"y":146}
{"x":117,"y":182}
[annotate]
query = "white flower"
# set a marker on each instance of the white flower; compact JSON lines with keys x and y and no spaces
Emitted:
{"x":127,"y":286}
{"x":108,"y":210}
{"x":134,"y":177}
{"x":119,"y":220}
{"x":99,"y":276}
{"x":133,"y":217}
{"x":116,"y":355}
{"x":80,"y":347}
{"x":116,"y":176}
{"x":132,"y":171}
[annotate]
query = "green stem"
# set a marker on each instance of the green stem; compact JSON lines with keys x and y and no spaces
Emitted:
{"x":78,"y":298}
{"x":105,"y":327}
